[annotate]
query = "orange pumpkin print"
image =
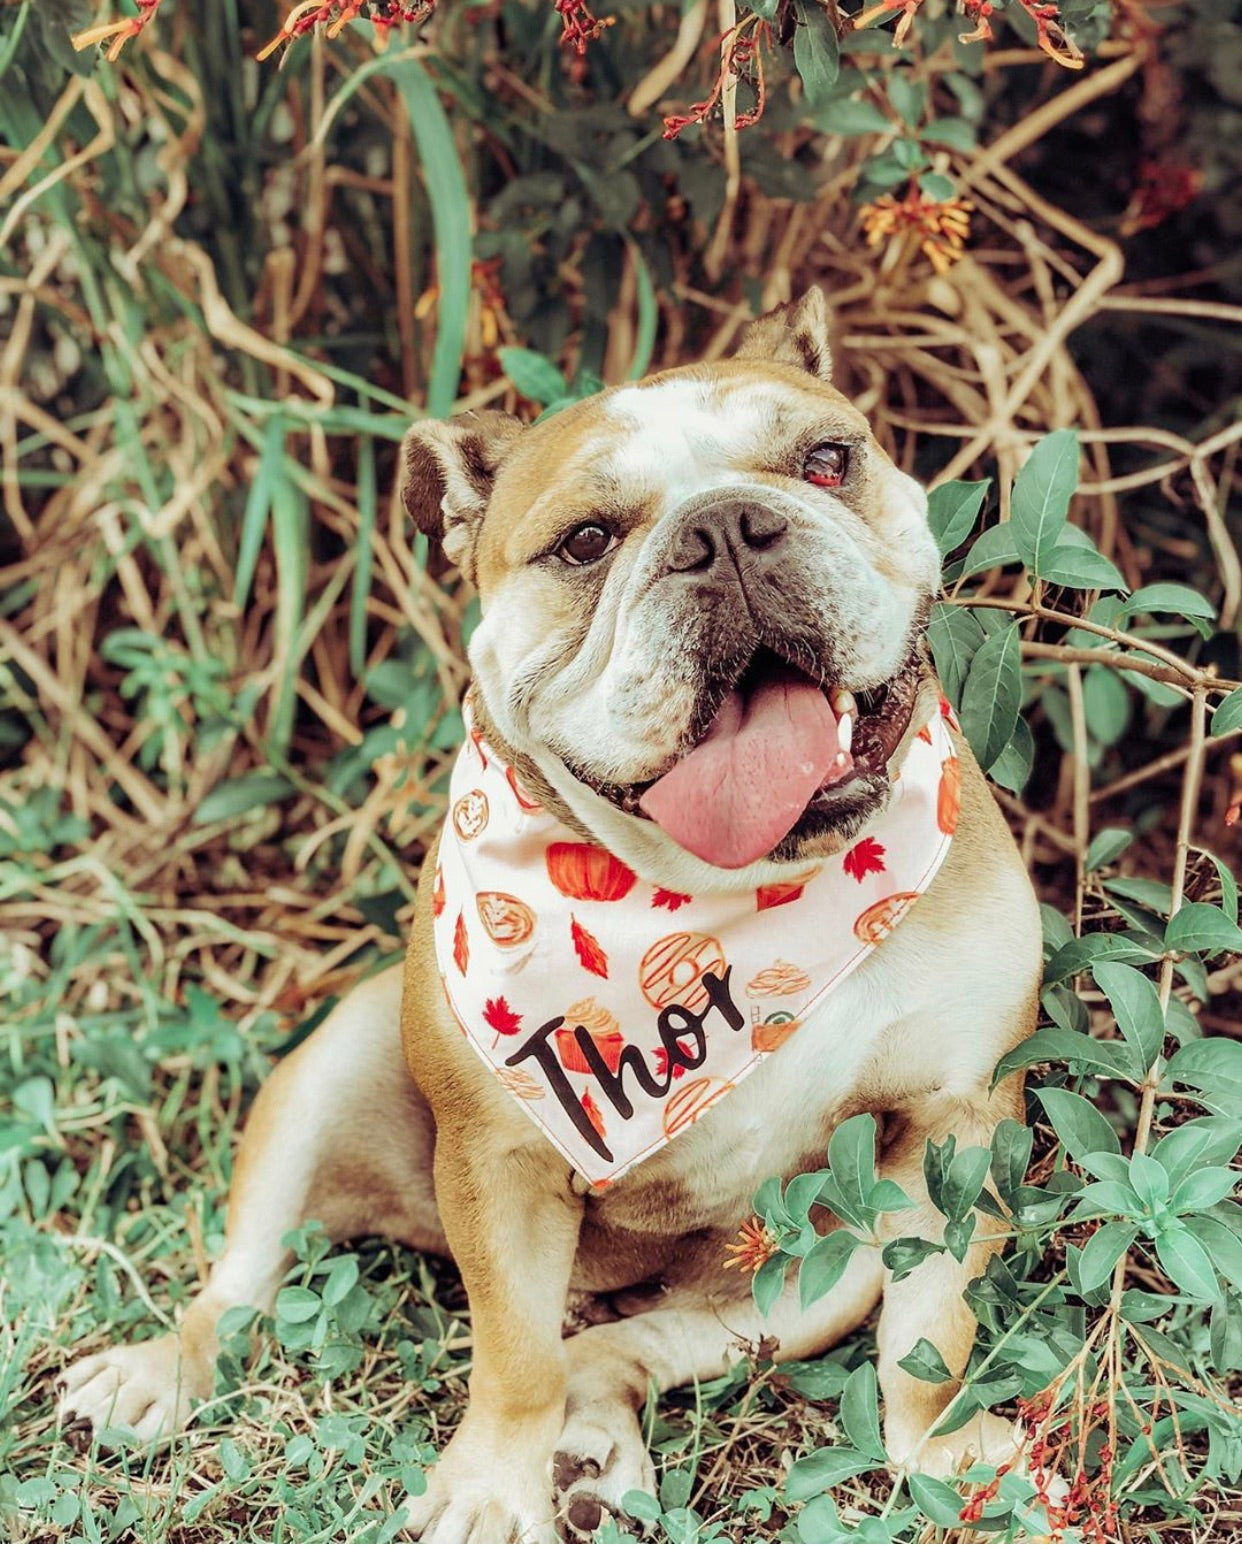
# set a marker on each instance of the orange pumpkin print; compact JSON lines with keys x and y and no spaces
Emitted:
{"x":507,"y":920}
{"x":773,"y":894}
{"x":603,"y":1030}
{"x":470,"y":814}
{"x":949,"y":799}
{"x":689,"y":1101}
{"x":882,"y":918}
{"x":588,"y":873}
{"x":671,"y":972}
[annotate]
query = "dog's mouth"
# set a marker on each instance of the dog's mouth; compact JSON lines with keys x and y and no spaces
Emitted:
{"x":773,"y":742}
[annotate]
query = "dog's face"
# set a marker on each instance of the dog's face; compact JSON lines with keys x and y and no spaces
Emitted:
{"x":703,"y":601}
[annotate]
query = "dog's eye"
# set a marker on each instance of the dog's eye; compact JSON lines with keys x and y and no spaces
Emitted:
{"x":587,"y":543}
{"x":827,"y":464}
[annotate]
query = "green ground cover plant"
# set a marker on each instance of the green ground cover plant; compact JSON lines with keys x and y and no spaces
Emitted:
{"x":230,"y":677}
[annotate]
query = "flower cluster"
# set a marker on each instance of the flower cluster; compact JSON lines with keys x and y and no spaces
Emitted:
{"x":579,"y":25}
{"x":335,"y":15}
{"x":741,"y":55}
{"x":941,"y":225}
{"x":755,"y":1246}
{"x":1050,"y":34}
{"x":120,"y":32}
{"x":1086,"y":1504}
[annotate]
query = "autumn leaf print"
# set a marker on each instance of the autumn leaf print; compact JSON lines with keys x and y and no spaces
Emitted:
{"x":461,"y":945}
{"x":662,"y":898}
{"x":866,"y":856}
{"x":590,"y":954}
{"x":591,"y":1108}
{"x":499,"y":1014}
{"x":661,"y":1059}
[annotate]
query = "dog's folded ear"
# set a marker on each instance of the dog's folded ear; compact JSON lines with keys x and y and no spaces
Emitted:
{"x":796,"y":334}
{"x":448,"y":468}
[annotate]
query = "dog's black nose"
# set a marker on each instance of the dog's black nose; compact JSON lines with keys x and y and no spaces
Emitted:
{"x":723,"y":533}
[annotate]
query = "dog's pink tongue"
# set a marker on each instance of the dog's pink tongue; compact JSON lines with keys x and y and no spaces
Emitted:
{"x":749,"y":781}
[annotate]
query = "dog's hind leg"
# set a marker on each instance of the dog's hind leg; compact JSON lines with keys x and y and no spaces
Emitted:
{"x":691,"y":1336}
{"x":338,"y":1134}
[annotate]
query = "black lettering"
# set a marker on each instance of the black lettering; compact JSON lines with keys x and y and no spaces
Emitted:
{"x":538,"y":1046}
{"x":614,"y":1084}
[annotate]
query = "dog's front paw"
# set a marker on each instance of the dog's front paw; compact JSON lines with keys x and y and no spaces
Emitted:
{"x":599,"y":1459}
{"x":484,"y":1494}
{"x":149,"y":1387}
{"x":985,"y":1438}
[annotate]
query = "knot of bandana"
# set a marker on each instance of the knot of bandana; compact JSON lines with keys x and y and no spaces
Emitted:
{"x":616,"y":1012}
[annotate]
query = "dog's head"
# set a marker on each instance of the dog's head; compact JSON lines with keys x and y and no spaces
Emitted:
{"x":703,"y":602}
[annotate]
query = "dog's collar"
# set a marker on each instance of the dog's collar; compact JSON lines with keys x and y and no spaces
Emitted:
{"x":615,"y":1012}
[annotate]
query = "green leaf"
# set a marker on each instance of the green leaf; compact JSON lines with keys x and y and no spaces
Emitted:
{"x":1106,"y":705}
{"x":1168,"y":597}
{"x":769,"y":1282}
{"x":1201,"y":1143}
{"x":953,"y":509}
{"x":907,"y":97}
{"x":1107,"y":845}
{"x":860,"y":1413}
{"x":1149,"y":1180}
{"x":1228,"y":714}
{"x":297,"y":1304}
{"x":905,"y":1254}
{"x":992,"y":695}
{"x":937,"y":187}
{"x":1223,"y":1245}
{"x":966,"y":1175}
{"x":1082,"y":569}
{"x":853,"y":116}
{"x":940,"y":1503}
{"x":995,"y":546}
{"x":1041,"y":496}
{"x":1186,"y":1262}
{"x":1011,"y":1156}
{"x":956,"y":133}
{"x":816,"y":54}
{"x":1080,"y":1126}
{"x":233,"y":797}
{"x":955,"y":635}
{"x":926,"y":1363}
{"x":1013,"y":768}
{"x":1202,"y":928}
{"x":1101,"y":1252}
{"x":534,"y":375}
{"x":342,"y":1278}
{"x":1136,"y":1006}
{"x":825,"y":1264}
{"x":452,"y":211}
{"x":823,"y":1470}
{"x":1060,"y":1043}
{"x":258,"y":507}
{"x":851,"y":1158}
{"x":1203,"y":1189}
{"x":1086,"y":951}
{"x":1211,"y":1065}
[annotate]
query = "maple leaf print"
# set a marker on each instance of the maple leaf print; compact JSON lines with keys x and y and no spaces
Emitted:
{"x":866,"y":856}
{"x":590,"y":954}
{"x":661,"y":1059}
{"x":461,"y":945}
{"x":500,"y":1014}
{"x":591,"y":1108}
{"x":663,"y":899}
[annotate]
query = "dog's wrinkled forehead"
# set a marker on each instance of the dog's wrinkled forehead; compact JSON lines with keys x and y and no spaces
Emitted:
{"x":640,"y":452}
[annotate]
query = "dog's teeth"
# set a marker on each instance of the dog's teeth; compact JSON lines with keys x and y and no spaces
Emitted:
{"x":839,"y":761}
{"x":842,"y":701}
{"x":845,"y":733}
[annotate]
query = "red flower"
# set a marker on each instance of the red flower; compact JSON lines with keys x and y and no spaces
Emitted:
{"x":499,"y":1014}
{"x":590,"y":954}
{"x":866,"y":856}
{"x":663,"y":899}
{"x":461,"y":945}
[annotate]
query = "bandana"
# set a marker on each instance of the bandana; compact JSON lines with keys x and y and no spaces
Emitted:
{"x":615,"y":1012}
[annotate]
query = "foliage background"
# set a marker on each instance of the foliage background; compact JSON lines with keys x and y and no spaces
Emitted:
{"x":229,"y":674}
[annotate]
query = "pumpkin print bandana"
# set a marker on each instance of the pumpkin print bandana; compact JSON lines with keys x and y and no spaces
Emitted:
{"x":616,"y":1012}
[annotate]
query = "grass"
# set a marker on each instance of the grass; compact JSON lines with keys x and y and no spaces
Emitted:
{"x":229,"y":679}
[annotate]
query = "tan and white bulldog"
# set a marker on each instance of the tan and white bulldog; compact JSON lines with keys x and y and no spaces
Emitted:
{"x":701,"y":651}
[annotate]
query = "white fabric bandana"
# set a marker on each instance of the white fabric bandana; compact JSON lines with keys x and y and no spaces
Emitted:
{"x":615,"y":1012}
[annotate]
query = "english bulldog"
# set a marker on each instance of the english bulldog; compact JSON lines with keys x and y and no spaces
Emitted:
{"x":701,"y":695}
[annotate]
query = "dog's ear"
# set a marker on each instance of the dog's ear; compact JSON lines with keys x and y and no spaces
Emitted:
{"x":796,"y":334}
{"x":448,"y":468}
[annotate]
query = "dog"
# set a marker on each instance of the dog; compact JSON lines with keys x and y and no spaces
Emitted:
{"x":701,"y":684}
